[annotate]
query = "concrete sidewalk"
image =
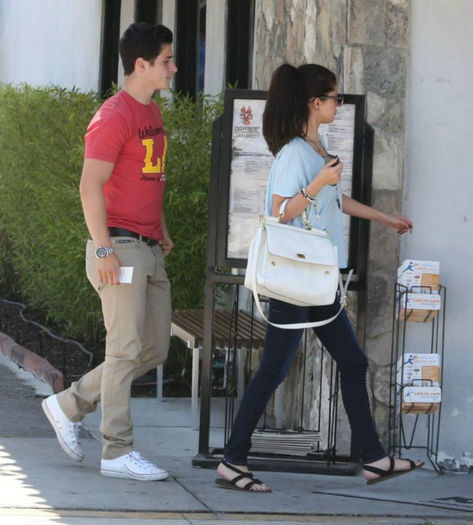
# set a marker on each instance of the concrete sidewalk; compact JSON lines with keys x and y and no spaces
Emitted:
{"x":40,"y":485}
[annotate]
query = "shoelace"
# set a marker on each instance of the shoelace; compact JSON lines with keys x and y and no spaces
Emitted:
{"x":140,"y":460}
{"x":74,"y":429}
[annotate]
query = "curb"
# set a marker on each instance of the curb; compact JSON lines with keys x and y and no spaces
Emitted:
{"x":32,"y":362}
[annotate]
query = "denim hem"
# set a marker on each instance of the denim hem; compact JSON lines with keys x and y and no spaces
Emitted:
{"x":233,"y":462}
{"x":374,"y":458}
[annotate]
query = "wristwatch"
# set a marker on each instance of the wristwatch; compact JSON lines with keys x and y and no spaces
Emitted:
{"x":103,"y":251}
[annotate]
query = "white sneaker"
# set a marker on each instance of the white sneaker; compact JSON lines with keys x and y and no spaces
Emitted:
{"x":132,"y":466}
{"x":67,"y":431}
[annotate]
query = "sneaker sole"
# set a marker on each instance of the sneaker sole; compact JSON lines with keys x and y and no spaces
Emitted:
{"x":131,"y":475}
{"x":73,"y":455}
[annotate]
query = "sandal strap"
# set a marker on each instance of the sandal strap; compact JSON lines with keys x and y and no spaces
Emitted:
{"x":238,"y":471}
{"x":231,"y":467}
{"x":236,"y":479}
{"x":242,"y":475}
{"x":379,"y":471}
{"x":249,"y":484}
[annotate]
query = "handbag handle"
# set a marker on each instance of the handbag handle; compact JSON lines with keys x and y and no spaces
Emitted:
{"x":305,"y":216}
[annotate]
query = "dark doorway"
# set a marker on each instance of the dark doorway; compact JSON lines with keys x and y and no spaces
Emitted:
{"x":190,"y":46}
{"x":111,"y":36}
{"x":148,"y":11}
{"x":239,"y":42}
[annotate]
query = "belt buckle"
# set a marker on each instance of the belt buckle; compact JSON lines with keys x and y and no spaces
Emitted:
{"x":145,"y":239}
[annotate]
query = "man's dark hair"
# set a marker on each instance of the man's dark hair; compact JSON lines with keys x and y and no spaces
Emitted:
{"x":142,"y":40}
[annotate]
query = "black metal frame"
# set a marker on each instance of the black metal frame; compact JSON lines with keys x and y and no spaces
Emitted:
{"x":326,"y":456}
{"x":218,"y":273}
{"x":323,"y":461}
{"x":224,"y":174}
{"x":398,"y":438}
{"x":361,"y":186}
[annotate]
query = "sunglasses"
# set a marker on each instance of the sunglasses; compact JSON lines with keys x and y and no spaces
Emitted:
{"x":338,"y":98}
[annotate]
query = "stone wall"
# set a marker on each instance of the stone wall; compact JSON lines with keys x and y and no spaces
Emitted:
{"x":366,"y":42}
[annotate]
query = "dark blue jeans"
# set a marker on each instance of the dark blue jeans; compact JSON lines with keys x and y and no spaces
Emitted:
{"x":280,"y":347}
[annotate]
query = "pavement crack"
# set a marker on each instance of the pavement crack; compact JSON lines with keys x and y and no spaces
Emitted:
{"x":195,"y":497}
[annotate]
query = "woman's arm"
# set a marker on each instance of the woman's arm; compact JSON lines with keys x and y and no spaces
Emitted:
{"x":329,"y":174}
{"x":399,"y":222}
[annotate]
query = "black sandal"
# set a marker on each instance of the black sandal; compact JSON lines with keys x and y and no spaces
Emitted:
{"x":383,"y":475}
{"x":232,"y":483}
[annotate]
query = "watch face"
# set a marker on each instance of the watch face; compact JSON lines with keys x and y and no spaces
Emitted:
{"x":101,"y":252}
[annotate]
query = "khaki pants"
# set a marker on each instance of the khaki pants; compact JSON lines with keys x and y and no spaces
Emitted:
{"x":137,"y":318}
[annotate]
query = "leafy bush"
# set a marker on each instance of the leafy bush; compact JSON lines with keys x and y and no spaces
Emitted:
{"x":42,"y":226}
{"x":42,"y":230}
{"x":189,"y":128}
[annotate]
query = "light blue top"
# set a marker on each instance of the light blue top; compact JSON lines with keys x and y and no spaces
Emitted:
{"x":294,"y":167}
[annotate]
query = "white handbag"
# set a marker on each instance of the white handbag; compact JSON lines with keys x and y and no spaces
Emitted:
{"x":295,"y":265}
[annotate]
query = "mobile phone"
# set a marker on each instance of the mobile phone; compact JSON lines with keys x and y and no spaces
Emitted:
{"x":328,"y":157}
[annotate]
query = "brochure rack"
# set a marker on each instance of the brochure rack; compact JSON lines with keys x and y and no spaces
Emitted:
{"x":404,"y":431}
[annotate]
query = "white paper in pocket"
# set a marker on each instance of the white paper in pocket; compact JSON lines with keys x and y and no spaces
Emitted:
{"x":126,"y":274}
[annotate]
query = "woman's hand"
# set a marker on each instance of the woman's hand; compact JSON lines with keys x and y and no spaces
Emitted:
{"x":400,"y":223}
{"x":329,"y":175}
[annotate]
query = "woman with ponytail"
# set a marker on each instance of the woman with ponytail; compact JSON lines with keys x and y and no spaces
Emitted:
{"x":299,"y":100}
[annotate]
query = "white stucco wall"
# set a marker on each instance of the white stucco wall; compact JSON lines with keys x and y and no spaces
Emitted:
{"x":439,"y":192}
{"x":215,"y":46}
{"x":51,"y":42}
{"x":127,"y":17}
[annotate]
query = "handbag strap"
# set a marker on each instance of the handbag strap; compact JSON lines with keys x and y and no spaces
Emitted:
{"x":343,"y":287}
{"x":305,"y":216}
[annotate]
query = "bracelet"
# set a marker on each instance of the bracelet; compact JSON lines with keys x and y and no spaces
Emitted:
{"x":306,"y":195}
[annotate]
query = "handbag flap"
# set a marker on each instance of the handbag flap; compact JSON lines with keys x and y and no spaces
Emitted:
{"x":310,"y":246}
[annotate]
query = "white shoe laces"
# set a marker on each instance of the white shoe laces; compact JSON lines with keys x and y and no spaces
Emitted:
{"x":74,"y":429}
{"x":137,"y":458}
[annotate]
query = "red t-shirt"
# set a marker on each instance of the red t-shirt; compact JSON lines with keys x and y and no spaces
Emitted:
{"x":132,"y":136}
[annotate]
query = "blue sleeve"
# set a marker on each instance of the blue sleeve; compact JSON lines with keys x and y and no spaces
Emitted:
{"x":291,"y":171}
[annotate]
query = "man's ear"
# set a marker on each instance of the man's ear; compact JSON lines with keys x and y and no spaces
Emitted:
{"x":139,"y":64}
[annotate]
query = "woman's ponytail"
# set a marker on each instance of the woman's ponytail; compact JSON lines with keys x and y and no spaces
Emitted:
{"x":286,"y":112}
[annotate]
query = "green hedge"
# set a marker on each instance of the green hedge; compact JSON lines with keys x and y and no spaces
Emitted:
{"x":42,"y":230}
{"x":189,"y":128}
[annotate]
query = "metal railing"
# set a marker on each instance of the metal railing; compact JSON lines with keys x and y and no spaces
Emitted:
{"x":9,"y":325}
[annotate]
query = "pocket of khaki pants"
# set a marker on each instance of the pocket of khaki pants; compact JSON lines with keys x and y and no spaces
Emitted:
{"x":135,"y":254}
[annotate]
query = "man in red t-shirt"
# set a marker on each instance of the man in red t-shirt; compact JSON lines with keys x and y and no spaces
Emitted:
{"x":122,"y":189}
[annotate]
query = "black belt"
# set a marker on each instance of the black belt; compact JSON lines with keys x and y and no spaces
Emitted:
{"x":122,"y":232}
